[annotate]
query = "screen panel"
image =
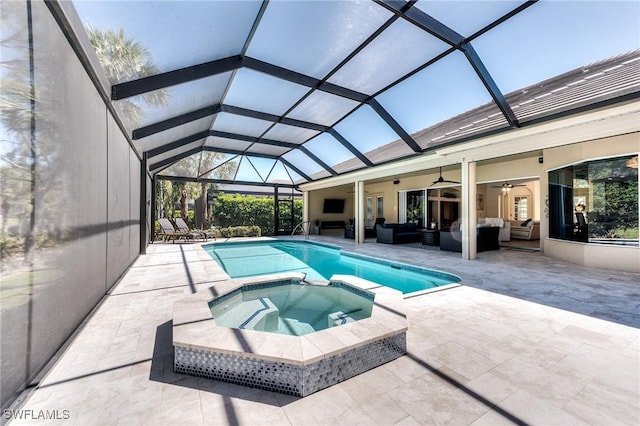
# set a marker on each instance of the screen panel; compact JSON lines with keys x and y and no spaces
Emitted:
{"x":365,"y":130}
{"x":398,"y":50}
{"x":322,"y":108}
{"x":173,"y":101}
{"x":286,"y":133}
{"x":304,"y":163}
{"x":173,"y":134}
{"x":255,"y":91}
{"x":443,"y":90}
{"x":240,"y":125}
{"x":548,"y":46}
{"x":328,"y":149}
{"x":226,"y":143}
{"x":175,"y":36}
{"x":467,"y":17}
{"x":313,"y":37}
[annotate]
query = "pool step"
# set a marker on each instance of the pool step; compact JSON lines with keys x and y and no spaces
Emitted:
{"x":295,"y":327}
{"x":338,"y":318}
{"x":258,"y":314}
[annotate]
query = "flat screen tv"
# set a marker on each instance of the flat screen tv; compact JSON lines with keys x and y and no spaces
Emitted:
{"x":332,"y":205}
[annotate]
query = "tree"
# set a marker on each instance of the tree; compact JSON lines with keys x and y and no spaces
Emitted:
{"x":125,"y":59}
{"x":212,"y":166}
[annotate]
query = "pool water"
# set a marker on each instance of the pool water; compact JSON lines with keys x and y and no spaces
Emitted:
{"x":321,"y":262}
{"x":292,"y":309}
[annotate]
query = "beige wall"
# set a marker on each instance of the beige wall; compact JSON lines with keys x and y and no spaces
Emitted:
{"x":594,"y":255}
{"x":510,"y":168}
{"x":600,"y":148}
{"x":316,"y":200}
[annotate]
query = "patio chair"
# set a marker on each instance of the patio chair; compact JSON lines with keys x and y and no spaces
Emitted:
{"x":168,"y":232}
{"x":183,"y":227}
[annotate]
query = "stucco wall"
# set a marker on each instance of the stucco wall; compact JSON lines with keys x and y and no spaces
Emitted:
{"x":341,"y":192}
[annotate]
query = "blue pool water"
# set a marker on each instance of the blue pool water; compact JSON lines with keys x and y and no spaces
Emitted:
{"x":320,"y":262}
{"x":291,"y":309}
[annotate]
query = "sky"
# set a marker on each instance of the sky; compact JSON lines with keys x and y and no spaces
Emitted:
{"x":545,"y":40}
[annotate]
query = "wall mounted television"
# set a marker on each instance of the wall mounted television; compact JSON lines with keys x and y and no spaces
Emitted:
{"x":332,"y":205}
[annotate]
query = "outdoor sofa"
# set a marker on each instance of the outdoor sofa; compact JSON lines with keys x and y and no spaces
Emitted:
{"x":397,"y":233}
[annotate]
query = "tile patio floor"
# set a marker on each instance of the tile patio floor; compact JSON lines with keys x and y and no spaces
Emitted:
{"x":526,"y":339}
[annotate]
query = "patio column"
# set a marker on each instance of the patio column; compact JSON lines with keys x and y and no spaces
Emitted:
{"x":305,"y":209}
{"x":469,"y":215}
{"x":359,"y":210}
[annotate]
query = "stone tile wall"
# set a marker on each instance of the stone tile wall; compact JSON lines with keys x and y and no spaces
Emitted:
{"x":291,"y":379}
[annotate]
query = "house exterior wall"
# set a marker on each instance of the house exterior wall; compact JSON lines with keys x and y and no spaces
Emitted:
{"x":527,"y":165}
{"x":316,"y":203}
{"x":76,"y":172}
{"x":594,"y":255}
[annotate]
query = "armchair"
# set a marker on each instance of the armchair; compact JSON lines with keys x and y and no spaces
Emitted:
{"x":527,"y":230}
{"x":487,"y":238}
{"x":350,"y":230}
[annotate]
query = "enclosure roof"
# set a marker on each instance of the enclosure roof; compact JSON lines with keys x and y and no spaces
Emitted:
{"x":287,"y":92}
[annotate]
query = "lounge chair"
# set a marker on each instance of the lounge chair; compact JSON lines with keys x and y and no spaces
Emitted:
{"x":168,"y":232}
{"x":183,"y":227}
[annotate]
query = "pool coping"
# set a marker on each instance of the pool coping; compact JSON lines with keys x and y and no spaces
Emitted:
{"x":195,"y":328}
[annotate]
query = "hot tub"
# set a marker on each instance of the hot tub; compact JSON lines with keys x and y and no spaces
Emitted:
{"x":291,"y":307}
{"x":290,"y":363}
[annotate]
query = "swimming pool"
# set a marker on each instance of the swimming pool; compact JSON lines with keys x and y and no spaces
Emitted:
{"x":321,"y":262}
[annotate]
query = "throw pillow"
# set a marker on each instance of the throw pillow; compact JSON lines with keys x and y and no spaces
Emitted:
{"x":526,"y":222}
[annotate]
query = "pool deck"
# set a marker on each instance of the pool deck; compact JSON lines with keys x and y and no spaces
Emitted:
{"x":525,"y":339}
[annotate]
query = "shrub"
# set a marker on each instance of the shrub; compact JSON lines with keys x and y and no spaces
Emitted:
{"x":247,"y":210}
{"x":237,"y":231}
{"x":11,"y":246}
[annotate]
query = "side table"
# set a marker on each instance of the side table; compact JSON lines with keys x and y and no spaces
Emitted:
{"x":431,"y":237}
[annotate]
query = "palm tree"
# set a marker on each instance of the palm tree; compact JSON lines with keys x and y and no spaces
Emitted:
{"x":125,"y":59}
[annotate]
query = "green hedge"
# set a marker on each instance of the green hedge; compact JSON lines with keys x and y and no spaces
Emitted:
{"x":236,"y":231}
{"x":247,"y":210}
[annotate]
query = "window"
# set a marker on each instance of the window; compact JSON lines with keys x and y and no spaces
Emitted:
{"x":369,"y":221}
{"x":595,"y":202}
{"x":411,"y":207}
{"x":521,"y":206}
{"x":415,"y":208}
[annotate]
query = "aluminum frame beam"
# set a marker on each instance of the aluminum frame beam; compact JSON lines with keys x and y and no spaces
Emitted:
{"x":179,"y":120}
{"x":226,"y":182}
{"x":213,"y":109}
{"x":183,"y":75}
{"x":171,"y":78}
{"x":196,"y":150}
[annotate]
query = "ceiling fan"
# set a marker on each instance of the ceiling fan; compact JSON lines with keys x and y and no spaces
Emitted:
{"x":442,"y":180}
{"x":506,"y":187}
